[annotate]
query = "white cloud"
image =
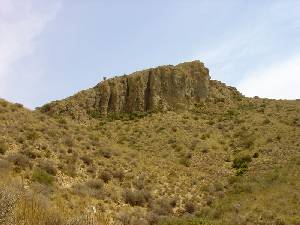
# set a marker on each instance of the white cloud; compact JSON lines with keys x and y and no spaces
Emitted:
{"x":279,"y":81}
{"x":21,"y":22}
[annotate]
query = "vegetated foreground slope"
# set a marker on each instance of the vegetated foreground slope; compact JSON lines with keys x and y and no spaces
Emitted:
{"x":223,"y":160}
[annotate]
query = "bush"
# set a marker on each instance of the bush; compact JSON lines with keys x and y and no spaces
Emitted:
{"x":4,"y":164}
{"x":255,"y":155}
{"x":105,"y":153}
{"x":48,"y":167}
{"x":30,"y":154}
{"x":190,"y":207}
{"x":136,"y":197}
{"x":95,"y":184}
{"x":87,"y":160}
{"x":32,"y":135}
{"x":19,"y":160}
{"x":41,"y":176}
{"x":185,"y":160}
{"x":3,"y":148}
{"x":105,"y":176}
{"x":241,"y":163}
{"x":162,"y":207}
{"x":118,"y":174}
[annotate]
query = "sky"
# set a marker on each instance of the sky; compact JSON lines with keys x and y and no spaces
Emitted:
{"x":51,"y":49}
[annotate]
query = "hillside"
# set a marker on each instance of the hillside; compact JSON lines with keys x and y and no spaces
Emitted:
{"x":162,"y":146}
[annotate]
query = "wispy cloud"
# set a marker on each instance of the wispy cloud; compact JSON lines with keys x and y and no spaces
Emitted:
{"x":280,"y":80}
{"x":21,"y":22}
{"x":259,"y":51}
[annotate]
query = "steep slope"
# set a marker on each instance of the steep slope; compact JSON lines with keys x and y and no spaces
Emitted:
{"x":225,"y":159}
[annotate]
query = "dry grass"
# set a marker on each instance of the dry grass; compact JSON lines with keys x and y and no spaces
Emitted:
{"x":130,"y":167}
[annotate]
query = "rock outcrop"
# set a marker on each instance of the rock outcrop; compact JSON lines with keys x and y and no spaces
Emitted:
{"x":165,"y":87}
{"x":156,"y":89}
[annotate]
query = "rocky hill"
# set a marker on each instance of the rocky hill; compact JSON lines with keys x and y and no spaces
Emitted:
{"x":161,"y":146}
{"x":159,"y":89}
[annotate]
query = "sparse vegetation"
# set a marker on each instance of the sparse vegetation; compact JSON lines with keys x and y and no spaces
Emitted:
{"x":228,"y":160}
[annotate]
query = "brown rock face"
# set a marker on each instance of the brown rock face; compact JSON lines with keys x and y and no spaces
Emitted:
{"x":165,"y":87}
{"x":156,"y":89}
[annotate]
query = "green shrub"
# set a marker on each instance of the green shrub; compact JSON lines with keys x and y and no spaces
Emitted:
{"x":41,"y":176}
{"x":241,"y":163}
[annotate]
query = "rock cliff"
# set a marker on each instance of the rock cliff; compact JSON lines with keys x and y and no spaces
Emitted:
{"x":156,"y":89}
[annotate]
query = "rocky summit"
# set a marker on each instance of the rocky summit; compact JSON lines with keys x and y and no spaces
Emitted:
{"x":157,"y":89}
{"x":162,"y":88}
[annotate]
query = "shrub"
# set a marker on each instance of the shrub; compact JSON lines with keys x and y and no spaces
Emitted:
{"x":242,"y":187}
{"x":95,"y":184}
{"x":105,"y":153}
{"x":87,"y":160}
{"x":255,"y":155}
{"x":41,"y":176}
{"x":136,"y":197}
{"x":4,"y":164}
{"x":247,"y":141}
{"x":241,"y":164}
{"x":3,"y":103}
{"x":185,"y":160}
{"x":162,"y":207}
{"x":69,"y":141}
{"x":266,"y":121}
{"x":152,"y":218}
{"x":190,"y":207}
{"x":49,"y":167}
{"x":19,"y":160}
{"x":218,"y":186}
{"x":3,"y":148}
{"x":19,"y":105}
{"x":119,"y":174}
{"x":29,"y":153}
{"x":32,"y":135}
{"x":105,"y":176}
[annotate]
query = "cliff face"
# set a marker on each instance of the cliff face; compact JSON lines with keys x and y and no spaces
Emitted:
{"x":166,"y":87}
{"x":156,"y":89}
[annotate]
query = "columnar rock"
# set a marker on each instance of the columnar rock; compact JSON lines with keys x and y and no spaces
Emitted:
{"x":165,"y":87}
{"x":156,"y":89}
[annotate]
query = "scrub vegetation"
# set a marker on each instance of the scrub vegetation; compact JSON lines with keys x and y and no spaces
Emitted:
{"x":229,"y":160}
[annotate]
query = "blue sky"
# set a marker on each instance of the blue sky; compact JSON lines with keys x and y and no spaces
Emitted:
{"x":51,"y":49}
